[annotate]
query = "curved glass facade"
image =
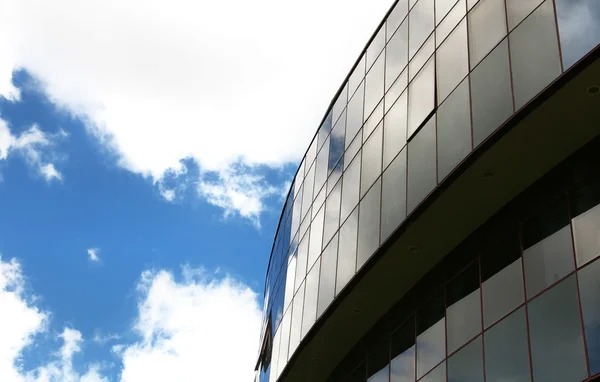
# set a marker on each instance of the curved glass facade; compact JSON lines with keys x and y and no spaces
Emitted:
{"x":437,"y":79}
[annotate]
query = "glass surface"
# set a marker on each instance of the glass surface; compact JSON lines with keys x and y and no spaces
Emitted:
{"x":375,"y":47}
{"x":355,"y":114}
{"x":487,"y":27}
{"x":394,"y":130}
{"x":506,"y":349}
{"x":589,"y":289}
{"x":402,"y":347}
{"x":307,"y":191}
{"x":436,"y":375}
{"x":356,"y":77}
{"x":297,"y":211}
{"x":421,"y":97}
{"x":332,"y":213}
{"x":467,"y":364}
{"x":316,"y":238}
{"x":517,"y":10}
{"x":579,"y":27}
{"x":327,"y":276}
{"x":378,"y":359}
{"x":358,"y":375}
{"x":420,"y":25}
{"x":336,"y":141}
{"x":301,"y":261}
{"x":321,"y":166}
{"x":311,"y":154}
{"x":284,"y":331}
{"x":396,"y":17}
{"x":463,"y":311}
{"x":422,"y":177}
{"x":289,"y":282}
{"x":296,"y":328}
{"x":374,"y":86}
{"x":491,"y":93}
{"x":352,"y":150}
{"x":431,"y":335}
{"x":371,"y":160}
{"x":393,"y":197}
{"x":396,"y":90}
{"x":368,"y":226}
{"x":346,"y":266}
{"x":421,"y":57}
{"x":350,"y":188}
{"x":324,"y":131}
{"x":318,"y":202}
{"x":275,"y":357}
{"x":340,"y":104}
{"x":305,"y":225}
{"x":310,"y":298}
{"x":442,"y":7}
{"x":586,"y":223}
{"x":454,"y":17}
{"x":396,"y":54}
{"x":533,"y":69}
{"x":452,"y":61}
{"x":557,"y":352}
{"x":373,"y":122}
{"x":335,"y":176}
{"x":453,"y":130}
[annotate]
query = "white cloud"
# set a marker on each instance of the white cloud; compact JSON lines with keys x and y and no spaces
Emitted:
{"x":217,"y":83}
{"x":101,"y":339}
{"x":93,"y":254}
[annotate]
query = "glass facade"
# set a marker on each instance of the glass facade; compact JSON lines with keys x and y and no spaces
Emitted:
{"x":438,"y":78}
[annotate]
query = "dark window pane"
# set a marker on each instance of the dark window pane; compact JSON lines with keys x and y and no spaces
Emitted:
{"x":586,"y":223}
{"x":454,"y":130}
{"x":368,"y":226}
{"x":452,"y":61}
{"x":371,"y":160}
{"x":533,"y":69}
{"x":332,"y":213}
{"x":463,"y":311}
{"x":421,"y":97}
{"x":336,"y":143}
{"x":491,"y":93}
{"x":555,"y":331}
{"x":396,"y":54}
{"x":378,"y":358}
{"x":327,"y":276}
{"x":487,"y":27}
{"x":506,"y":351}
{"x":346,"y":266}
{"x":548,"y":249}
{"x":374,"y":86}
{"x":350,"y":187}
{"x":394,"y":130}
{"x":355,"y":114}
{"x":310,"y":298}
{"x":402,"y":365}
{"x":393,"y":198}
{"x":422,"y":177}
{"x":396,"y":16}
{"x":420,"y":24}
{"x":519,"y":9}
{"x":467,"y":364}
{"x":358,"y":375}
{"x":579,"y":26}
{"x":436,"y":375}
{"x":431,"y":335}
{"x":589,"y":288}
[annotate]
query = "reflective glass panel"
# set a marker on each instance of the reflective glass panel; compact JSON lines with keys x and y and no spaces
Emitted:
{"x":436,"y":375}
{"x":421,"y":97}
{"x":327,"y":276}
{"x":371,"y":160}
{"x":356,"y":77}
{"x":307,"y":193}
{"x":453,"y":130}
{"x":393,"y":197}
{"x":396,"y":54}
{"x":321,"y":169}
{"x":310,"y":298}
{"x":557,"y":351}
{"x":316,"y":238}
{"x":421,"y":57}
{"x":586,"y":223}
{"x":352,"y":150}
{"x":375,"y":48}
{"x":346,"y":266}
{"x":368,"y":226}
{"x":355,"y":113}
{"x":491,"y":93}
{"x":454,"y":17}
{"x":284,"y":331}
{"x":332,"y":213}
{"x":487,"y":27}
{"x":340,"y":104}
{"x":373,"y":122}
{"x":394,"y":130}
{"x":397,"y":88}
{"x":533,"y":69}
{"x":431,"y":335}
{"x":396,"y":17}
{"x":336,"y":142}
{"x":452,"y":61}
{"x":506,"y":349}
{"x":463,"y":311}
{"x":422,"y":177}
{"x":289,"y":281}
{"x":579,"y":26}
{"x":324,"y":131}
{"x":420,"y":25}
{"x":402,"y":347}
{"x":467,"y":364}
{"x":350,"y":187}
{"x":519,"y":9}
{"x":589,"y":289}
{"x":442,"y":7}
{"x":374,"y":86}
{"x":318,"y":202}
{"x":302,"y":261}
{"x":296,"y":329}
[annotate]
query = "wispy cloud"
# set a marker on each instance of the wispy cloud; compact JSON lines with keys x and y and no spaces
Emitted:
{"x":93,"y":254}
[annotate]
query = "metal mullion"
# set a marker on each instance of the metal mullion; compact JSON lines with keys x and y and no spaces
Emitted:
{"x":526,"y":303}
{"x":512,"y":89}
{"x":562,"y":67}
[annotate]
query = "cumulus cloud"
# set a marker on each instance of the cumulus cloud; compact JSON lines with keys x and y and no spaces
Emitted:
{"x":214,"y":83}
{"x":93,"y":254}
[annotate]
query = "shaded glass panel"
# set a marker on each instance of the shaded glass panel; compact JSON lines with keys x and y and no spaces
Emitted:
{"x":487,"y":27}
{"x":374,"y":86}
{"x":402,"y":347}
{"x":346,"y":266}
{"x":506,"y":350}
{"x":454,"y":17}
{"x":452,"y":61}
{"x":420,"y":25}
{"x":378,"y":359}
{"x":296,"y":328}
{"x":467,"y":364}
{"x":393,"y":197}
{"x":431,"y":335}
{"x":316,"y":238}
{"x":579,"y":26}
{"x":371,"y":160}
{"x":336,"y":142}
{"x":589,"y":288}
{"x":491,"y":93}
{"x":350,"y":187}
{"x":422,"y":176}
{"x":421,"y":97}
{"x":301,"y":261}
{"x":358,"y":375}
{"x":436,"y":375}
{"x":332,"y":213}
{"x":533,"y":69}
{"x":519,"y":9}
{"x":310,"y":298}
{"x":586,"y":222}
{"x":355,"y":114}
{"x":327,"y":276}
{"x":394,"y":130}
{"x":463,"y":311}
{"x":396,"y":17}
{"x":396,"y":54}
{"x":368,"y":226}
{"x":557,"y":351}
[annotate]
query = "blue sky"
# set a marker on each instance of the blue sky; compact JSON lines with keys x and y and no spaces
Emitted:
{"x":148,"y":134}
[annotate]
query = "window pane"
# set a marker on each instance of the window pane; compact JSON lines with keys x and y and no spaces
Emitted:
{"x":375,"y":48}
{"x":456,"y":14}
{"x":453,"y":130}
{"x":318,"y":202}
{"x":296,"y":329}
{"x":321,"y":169}
{"x":548,"y":249}
{"x":373,"y":122}
{"x":442,"y":7}
{"x":491,"y":93}
{"x":307,"y":194}
{"x":431,"y":338}
{"x":340,"y":104}
{"x":397,"y":88}
{"x":533,"y":69}
{"x":374,"y":86}
{"x":346,"y":266}
{"x":284,"y":330}
{"x":579,"y":26}
{"x":302,"y":261}
{"x":421,"y":97}
{"x":437,"y":375}
{"x":396,"y":16}
{"x":420,"y":25}
{"x":394,"y":130}
{"x":350,"y":187}
{"x":371,"y":160}
{"x":586,"y":223}
{"x":589,"y":288}
{"x":402,"y":345}
{"x":463,"y":312}
{"x":421,"y":164}
{"x":421,"y":57}
{"x":393,"y":198}
{"x":327,"y":276}
{"x":356,"y":77}
{"x":378,"y":359}
{"x":355,"y":114}
{"x":310,"y":298}
{"x":316,"y":238}
{"x":452,"y":61}
{"x":396,"y":54}
{"x":519,"y":9}
{"x":324,"y":131}
{"x":487,"y":27}
{"x":358,"y":375}
{"x":555,"y":331}
{"x":332,"y":213}
{"x":368,"y":226}
{"x":506,"y":350}
{"x":467,"y":364}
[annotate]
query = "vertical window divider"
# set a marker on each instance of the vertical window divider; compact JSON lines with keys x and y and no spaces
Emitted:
{"x":481,"y":313}
{"x":562,"y":67}
{"x":512,"y":89}
{"x":526,"y":305}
